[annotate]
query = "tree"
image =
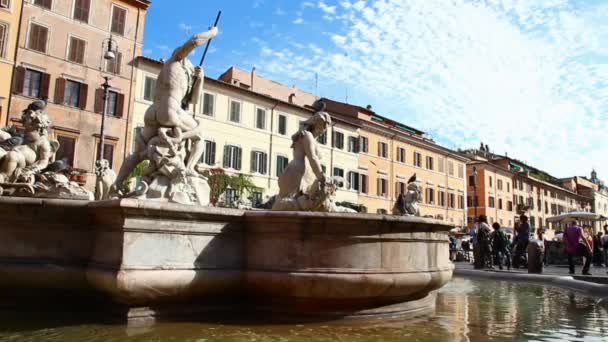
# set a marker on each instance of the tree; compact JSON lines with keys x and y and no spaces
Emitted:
{"x":218,"y":182}
{"x":241,"y":183}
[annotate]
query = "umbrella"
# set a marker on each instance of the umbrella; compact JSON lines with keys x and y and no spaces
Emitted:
{"x":576,"y":215}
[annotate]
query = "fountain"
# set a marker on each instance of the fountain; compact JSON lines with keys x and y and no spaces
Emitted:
{"x":160,"y":251}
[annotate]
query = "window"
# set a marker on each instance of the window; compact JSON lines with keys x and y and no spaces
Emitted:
{"x":43,"y":3}
{"x":500,"y":203}
{"x":354,"y":181}
{"x":430,"y":196}
{"x":281,"y":164}
{"x":417,"y":159}
{"x":260,"y":118}
{"x":235,"y":111}
{"x":322,"y":139}
{"x":3,"y":39}
{"x":471,"y":180}
{"x":460,"y":170}
{"x":232,"y":157}
{"x":108,"y":153}
{"x":5,"y":3}
{"x":112,"y":103}
{"x":259,"y":162}
{"x":460,"y":201}
{"x":32,"y":83}
{"x":363,"y":188}
{"x":72,"y":93}
{"x":452,"y":201}
{"x":401,"y":154}
{"x":119,"y":19}
{"x":230,"y":196}
{"x":150,"y":88}
{"x":338,"y":172}
{"x":208,"y":104}
{"x":353,"y":144}
{"x":256,"y":199}
{"x":113,"y":65}
{"x":37,"y":38}
{"x":208,"y":156}
{"x":382,"y":187}
{"x":499,"y":184}
{"x":429,"y":163}
{"x":337,"y":140}
{"x":450,"y":167}
{"x":282,"y":124}
{"x":399,"y":188}
{"x":441,"y":198}
{"x":364,"y":144}
{"x":490,"y":177}
{"x":81,"y":10}
{"x":441,"y":165}
{"x":508,"y":187}
{"x":491,"y":201}
{"x":67,"y":146}
{"x":136,"y":132}
{"x":382,"y":149}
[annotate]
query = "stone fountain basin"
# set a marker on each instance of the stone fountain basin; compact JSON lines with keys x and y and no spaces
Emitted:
{"x":176,"y":258}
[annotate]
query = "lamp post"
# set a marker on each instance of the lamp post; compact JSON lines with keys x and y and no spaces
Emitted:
{"x":106,"y":93}
{"x":475,"y":199}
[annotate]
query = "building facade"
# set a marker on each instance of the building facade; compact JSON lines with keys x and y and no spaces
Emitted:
{"x":60,"y":57}
{"x":502,"y":189}
{"x":250,"y":133}
{"x":390,"y":153}
{"x":592,"y":188}
{"x":10,"y":14}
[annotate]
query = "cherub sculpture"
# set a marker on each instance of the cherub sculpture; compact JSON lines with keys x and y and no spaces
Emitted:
{"x":407,"y":203}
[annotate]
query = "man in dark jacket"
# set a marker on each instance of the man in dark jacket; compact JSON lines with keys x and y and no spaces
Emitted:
{"x":500,"y":243}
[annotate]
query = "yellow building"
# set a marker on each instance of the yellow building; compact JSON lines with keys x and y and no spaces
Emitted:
{"x":249,"y":132}
{"x":10,"y":13}
{"x":391,"y":153}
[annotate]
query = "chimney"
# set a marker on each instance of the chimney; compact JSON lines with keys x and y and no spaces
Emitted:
{"x":368,"y":107}
{"x":291,"y":96}
{"x":253,"y":75}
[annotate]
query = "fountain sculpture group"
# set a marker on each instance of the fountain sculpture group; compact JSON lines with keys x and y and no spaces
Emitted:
{"x":160,"y":247}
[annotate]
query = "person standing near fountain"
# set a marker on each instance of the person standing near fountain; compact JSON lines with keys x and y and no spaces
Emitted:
{"x":484,"y":242}
{"x":576,"y":245}
{"x":500,"y":241}
{"x":522,"y":238}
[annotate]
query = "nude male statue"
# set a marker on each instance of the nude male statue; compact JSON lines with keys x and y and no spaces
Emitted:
{"x":178,"y":85}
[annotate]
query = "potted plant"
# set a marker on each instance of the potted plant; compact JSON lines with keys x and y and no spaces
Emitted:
{"x":78,"y":175}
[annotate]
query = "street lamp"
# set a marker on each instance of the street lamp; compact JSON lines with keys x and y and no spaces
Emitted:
{"x":475,"y":199}
{"x":109,"y":45}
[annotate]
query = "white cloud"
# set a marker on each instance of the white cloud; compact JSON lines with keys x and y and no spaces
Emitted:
{"x":326,"y":8}
{"x":308,"y":4}
{"x":185,"y":27}
{"x":527,"y":77}
{"x":279,"y":11}
{"x":298,"y":21}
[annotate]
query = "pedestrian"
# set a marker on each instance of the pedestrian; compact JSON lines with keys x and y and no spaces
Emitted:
{"x":500,"y":246}
{"x":483,"y":240}
{"x":577,"y":245}
{"x":452,"y":248}
{"x":598,"y":250}
{"x":522,"y":239}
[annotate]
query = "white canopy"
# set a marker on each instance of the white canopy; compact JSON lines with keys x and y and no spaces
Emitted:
{"x":576,"y":215}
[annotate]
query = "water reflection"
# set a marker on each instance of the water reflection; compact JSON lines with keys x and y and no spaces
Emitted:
{"x":467,"y":310}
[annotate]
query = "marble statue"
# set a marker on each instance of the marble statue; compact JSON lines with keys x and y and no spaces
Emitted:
{"x":171,"y":174}
{"x":407,"y":203}
{"x":303,"y":186}
{"x":25,"y":160}
{"x":105,"y":178}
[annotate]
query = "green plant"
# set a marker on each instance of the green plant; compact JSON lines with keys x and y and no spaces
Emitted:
{"x":241,"y":183}
{"x":137,"y":172}
{"x":218,"y":182}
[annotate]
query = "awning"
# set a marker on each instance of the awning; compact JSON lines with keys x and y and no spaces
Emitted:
{"x":576,"y":215}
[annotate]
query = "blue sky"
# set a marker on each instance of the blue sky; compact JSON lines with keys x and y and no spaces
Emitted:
{"x":527,"y":77}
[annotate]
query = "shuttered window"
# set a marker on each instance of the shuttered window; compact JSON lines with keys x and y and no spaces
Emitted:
{"x":259,"y":162}
{"x":5,"y":3}
{"x":149,"y":88}
{"x":119,"y":19}
{"x":282,"y":124}
{"x":3,"y":39}
{"x":281,"y":165}
{"x":37,"y":38}
{"x":232,"y":157}
{"x":364,"y":144}
{"x":208,"y":104}
{"x":67,"y":146}
{"x":338,"y":140}
{"x":77,"y":50}
{"x":44,"y":3}
{"x":82,"y":9}
{"x":114,"y":65}
{"x":260,"y":118}
{"x":209,"y":154}
{"x":32,"y":83}
{"x":72,"y":93}
{"x":235,"y":111}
